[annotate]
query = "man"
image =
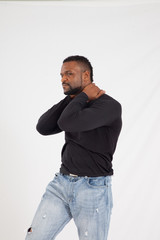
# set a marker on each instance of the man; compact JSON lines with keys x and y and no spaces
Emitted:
{"x":81,"y":190}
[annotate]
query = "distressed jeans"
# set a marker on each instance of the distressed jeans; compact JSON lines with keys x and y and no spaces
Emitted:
{"x":88,"y":200}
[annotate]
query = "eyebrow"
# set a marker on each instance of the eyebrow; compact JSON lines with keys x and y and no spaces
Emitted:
{"x":65,"y":72}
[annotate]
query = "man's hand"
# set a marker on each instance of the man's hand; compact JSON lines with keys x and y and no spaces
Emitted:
{"x":93,"y":92}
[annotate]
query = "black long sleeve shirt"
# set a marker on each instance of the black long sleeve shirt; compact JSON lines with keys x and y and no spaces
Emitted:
{"x":91,"y":133}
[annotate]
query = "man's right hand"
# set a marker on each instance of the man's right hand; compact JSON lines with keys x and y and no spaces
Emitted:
{"x":93,"y":92}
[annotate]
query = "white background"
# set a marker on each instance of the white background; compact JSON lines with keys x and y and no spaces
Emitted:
{"x":122,"y":41}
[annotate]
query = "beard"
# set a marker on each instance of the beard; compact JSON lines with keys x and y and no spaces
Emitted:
{"x":73,"y":91}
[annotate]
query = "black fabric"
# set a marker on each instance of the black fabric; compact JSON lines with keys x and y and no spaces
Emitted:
{"x":91,"y":133}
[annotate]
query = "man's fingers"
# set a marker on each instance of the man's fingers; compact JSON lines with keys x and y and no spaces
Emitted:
{"x":93,"y":91}
{"x":101,"y":92}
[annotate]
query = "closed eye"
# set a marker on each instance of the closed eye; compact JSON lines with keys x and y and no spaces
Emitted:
{"x":69,"y":73}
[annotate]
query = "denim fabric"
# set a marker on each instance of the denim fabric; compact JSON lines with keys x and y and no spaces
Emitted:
{"x":88,"y":200}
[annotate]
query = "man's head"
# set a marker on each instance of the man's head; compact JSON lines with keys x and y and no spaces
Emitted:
{"x":76,"y":73}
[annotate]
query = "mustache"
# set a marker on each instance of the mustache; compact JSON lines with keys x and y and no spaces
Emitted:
{"x":65,"y":84}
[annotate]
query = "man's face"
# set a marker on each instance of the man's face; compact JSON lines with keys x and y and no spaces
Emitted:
{"x":72,"y":78}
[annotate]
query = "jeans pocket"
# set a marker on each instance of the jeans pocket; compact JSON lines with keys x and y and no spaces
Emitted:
{"x":97,"y":182}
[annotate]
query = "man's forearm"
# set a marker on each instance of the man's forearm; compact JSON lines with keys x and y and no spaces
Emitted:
{"x":78,"y":117}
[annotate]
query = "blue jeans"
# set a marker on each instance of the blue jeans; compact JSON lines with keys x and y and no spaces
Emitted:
{"x":88,"y":200}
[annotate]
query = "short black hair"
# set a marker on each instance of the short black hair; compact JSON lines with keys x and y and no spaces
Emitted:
{"x":83,"y":61}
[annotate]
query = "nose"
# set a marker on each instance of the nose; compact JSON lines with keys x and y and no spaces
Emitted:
{"x":64,"y":78}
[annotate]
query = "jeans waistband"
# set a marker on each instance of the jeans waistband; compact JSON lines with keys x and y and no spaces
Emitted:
{"x":85,"y":176}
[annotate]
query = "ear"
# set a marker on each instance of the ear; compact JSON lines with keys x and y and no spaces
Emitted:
{"x":86,"y":76}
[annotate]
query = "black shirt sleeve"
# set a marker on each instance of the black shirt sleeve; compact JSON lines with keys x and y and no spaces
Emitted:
{"x":47,"y":123}
{"x":79,"y":117}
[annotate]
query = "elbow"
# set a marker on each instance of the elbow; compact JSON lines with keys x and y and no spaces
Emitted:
{"x":41,"y":129}
{"x":61,"y":124}
{"x":67,"y":126}
{"x":64,"y":125}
